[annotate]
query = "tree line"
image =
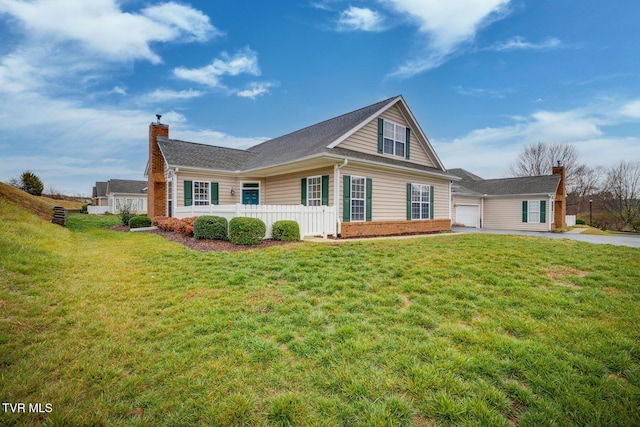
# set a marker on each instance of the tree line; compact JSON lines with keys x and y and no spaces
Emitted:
{"x":608,"y":197}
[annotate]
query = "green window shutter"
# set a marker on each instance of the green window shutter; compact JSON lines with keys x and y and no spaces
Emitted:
{"x":325,"y":190}
{"x":215,"y":193}
{"x":380,"y":135}
{"x":303,"y":191}
{"x":188,"y":193}
{"x":408,"y":201}
{"x":525,"y":210}
{"x":346,"y":199}
{"x":408,"y":143}
{"x":431,"y":207}
{"x":368,"y":199}
{"x":543,"y":211}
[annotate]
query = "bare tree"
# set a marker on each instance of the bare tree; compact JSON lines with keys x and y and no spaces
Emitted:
{"x":587,"y":184}
{"x":538,"y":159}
{"x":622,"y":192}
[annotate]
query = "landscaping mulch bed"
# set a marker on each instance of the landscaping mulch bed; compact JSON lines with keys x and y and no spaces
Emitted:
{"x":202,"y":245}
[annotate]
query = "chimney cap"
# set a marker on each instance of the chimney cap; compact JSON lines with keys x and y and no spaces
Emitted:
{"x":158,"y":116}
{"x":557,"y":160}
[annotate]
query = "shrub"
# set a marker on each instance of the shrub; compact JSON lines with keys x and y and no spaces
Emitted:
{"x":246,"y":231}
{"x":580,"y":222}
{"x":85,"y":209}
{"x":185,"y":226}
{"x":126,"y":213}
{"x":140,"y":221}
{"x":285,"y":230}
{"x":157,"y":220}
{"x":211,"y":227}
{"x":166,"y":224}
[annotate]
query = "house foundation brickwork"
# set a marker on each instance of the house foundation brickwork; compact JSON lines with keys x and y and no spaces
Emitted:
{"x":394,"y":228}
{"x":156,"y":183}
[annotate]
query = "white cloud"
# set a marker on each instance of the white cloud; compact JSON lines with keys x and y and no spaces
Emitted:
{"x":101,"y":28}
{"x":163,"y":95}
{"x":244,"y":61}
{"x":359,"y":19}
{"x":489,"y":151}
{"x":447,"y":25}
{"x":255,"y":89}
{"x":482,"y":93}
{"x":631,"y":109}
{"x":519,"y":43}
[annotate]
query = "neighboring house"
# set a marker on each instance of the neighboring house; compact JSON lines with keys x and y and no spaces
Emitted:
{"x":533,"y":203}
{"x":374,"y":165}
{"x":113,"y":195}
{"x":99,"y":197}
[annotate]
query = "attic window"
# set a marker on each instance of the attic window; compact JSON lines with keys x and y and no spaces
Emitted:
{"x":394,"y":139}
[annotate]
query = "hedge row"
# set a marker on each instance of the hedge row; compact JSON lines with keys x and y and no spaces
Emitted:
{"x":240,"y":230}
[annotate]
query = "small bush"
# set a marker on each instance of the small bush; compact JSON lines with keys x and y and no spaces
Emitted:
{"x":185,"y":226}
{"x":285,"y":230}
{"x":140,"y":221}
{"x":84,"y":209}
{"x":580,"y":222}
{"x":126,"y":213}
{"x":166,"y":224}
{"x":246,"y":231}
{"x":211,"y":227}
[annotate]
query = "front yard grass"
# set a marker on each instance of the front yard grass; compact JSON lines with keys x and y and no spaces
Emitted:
{"x":128,"y":329}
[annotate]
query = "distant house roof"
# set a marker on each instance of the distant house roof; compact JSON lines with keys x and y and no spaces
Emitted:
{"x":100,"y":189}
{"x":125,"y":186}
{"x":474,"y":185}
{"x":315,"y":140}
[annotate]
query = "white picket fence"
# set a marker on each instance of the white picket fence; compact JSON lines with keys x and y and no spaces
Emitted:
{"x":313,"y":220}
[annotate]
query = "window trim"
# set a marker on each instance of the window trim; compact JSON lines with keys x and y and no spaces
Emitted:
{"x":425,"y":207}
{"x":319,"y":198}
{"x":395,"y":141}
{"x":529,"y":217}
{"x":363,"y":199}
{"x":198,"y":199}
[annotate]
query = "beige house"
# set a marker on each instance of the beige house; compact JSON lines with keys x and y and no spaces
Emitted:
{"x":534,"y":203}
{"x":374,"y":166}
{"x":112,"y":196}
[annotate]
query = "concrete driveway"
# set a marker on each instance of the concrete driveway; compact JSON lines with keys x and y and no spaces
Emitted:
{"x":618,"y":240}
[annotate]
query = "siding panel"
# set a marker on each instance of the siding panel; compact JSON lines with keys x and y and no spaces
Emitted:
{"x":285,"y":189}
{"x":506,"y":214}
{"x":390,"y":192}
{"x":366,"y":139}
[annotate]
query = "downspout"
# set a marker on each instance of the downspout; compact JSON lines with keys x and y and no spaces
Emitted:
{"x":482,"y":211}
{"x":336,"y":195}
{"x":548,"y":213}
{"x":174,"y":192}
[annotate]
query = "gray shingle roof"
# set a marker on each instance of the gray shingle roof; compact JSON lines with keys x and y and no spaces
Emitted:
{"x":203,"y":156}
{"x":100,"y":190}
{"x":312,"y":140}
{"x":126,"y":186}
{"x":470,"y":183}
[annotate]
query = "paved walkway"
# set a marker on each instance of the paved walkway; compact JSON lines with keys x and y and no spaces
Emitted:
{"x":617,"y":240}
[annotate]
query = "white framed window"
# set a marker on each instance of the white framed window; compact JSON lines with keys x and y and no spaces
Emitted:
{"x":420,"y":201}
{"x":358,"y":198}
{"x":533,"y":214}
{"x":394,"y":139}
{"x":201,"y":195}
{"x":314,"y":191}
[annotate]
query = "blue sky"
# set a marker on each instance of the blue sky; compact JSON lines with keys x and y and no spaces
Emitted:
{"x":80,"y":81}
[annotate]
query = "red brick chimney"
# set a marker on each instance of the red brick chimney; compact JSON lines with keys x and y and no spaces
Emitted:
{"x":156,"y":184}
{"x":560,"y":207}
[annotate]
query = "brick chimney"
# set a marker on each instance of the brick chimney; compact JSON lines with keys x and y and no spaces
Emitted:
{"x":560,"y":207}
{"x":156,"y":184}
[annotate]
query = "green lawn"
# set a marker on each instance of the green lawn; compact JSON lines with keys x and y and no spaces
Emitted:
{"x":128,"y":329}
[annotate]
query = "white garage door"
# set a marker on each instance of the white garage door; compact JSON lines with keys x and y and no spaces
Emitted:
{"x":468,"y":215}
